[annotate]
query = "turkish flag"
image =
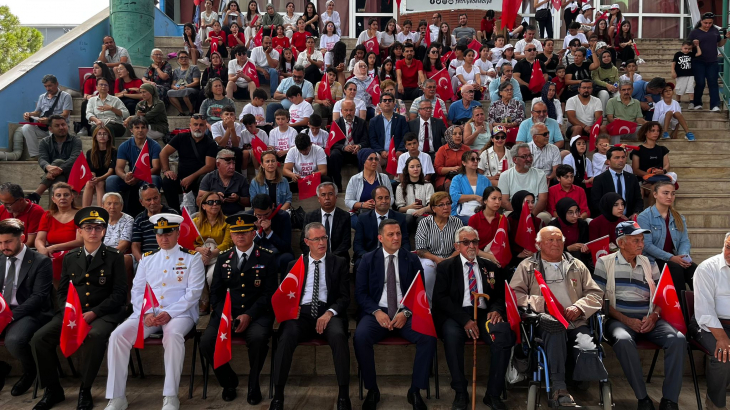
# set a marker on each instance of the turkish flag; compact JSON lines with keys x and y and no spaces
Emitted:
{"x":556,"y":5}
{"x":214,"y":44}
{"x":443,"y":85}
{"x":509,"y":12}
{"x":513,"y":314}
{"x":416,"y":301}
{"x":438,"y":112}
{"x":637,"y":50}
{"x":324,"y":92}
{"x":6,"y":315}
{"x":258,"y":147}
{"x":446,"y":58}
{"x":475,"y":45}
{"x":74,"y":328}
{"x":250,"y":70}
{"x":80,"y":173}
{"x":537,"y":80}
{"x":619,"y":126}
{"x":254,"y":20}
{"x":526,"y":233}
{"x":148,"y":302}
{"x":554,"y":307}
{"x":599,"y":247}
{"x":258,"y":38}
{"x":308,"y":185}
{"x":500,"y":244}
{"x":223,"y":353}
{"x":335,"y":135}
{"x":427,"y":35}
{"x":285,"y":300}
{"x":188,"y":231}
{"x":143,"y":165}
{"x":374,"y":91}
{"x":601,"y":17}
{"x":666,"y":298}
{"x":57,"y":263}
{"x":372,"y":45}
{"x":595,"y":130}
{"x":628,"y":147}
{"x":392,"y":167}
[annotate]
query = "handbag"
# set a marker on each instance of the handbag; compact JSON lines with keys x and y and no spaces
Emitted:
{"x":297,"y":217}
{"x":49,"y":112}
{"x":543,"y":14}
{"x":589,"y":367}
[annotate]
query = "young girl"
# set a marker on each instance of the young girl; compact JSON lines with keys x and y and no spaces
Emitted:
{"x":372,"y":62}
{"x":388,"y":36}
{"x":281,"y":41}
{"x":486,"y":219}
{"x":290,"y":20}
{"x":582,"y":166}
{"x":497,"y":49}
{"x":236,"y":38}
{"x":483,"y":63}
{"x":286,"y":63}
{"x":102,"y":158}
{"x":487,"y":26}
{"x":651,"y":156}
{"x":602,"y":32}
{"x":615,"y":18}
{"x":387,"y":72}
{"x":468,"y":74}
{"x":668,"y":112}
{"x":233,"y":15}
{"x":445,"y":38}
{"x":625,"y":43}
{"x":329,"y":37}
{"x":217,"y":41}
{"x":358,"y":54}
{"x":207,"y":17}
{"x":508,"y":56}
{"x":311,"y":19}
{"x":299,"y":38}
{"x":414,"y":192}
{"x":251,"y":19}
{"x":127,"y":86}
{"x":192,"y":42}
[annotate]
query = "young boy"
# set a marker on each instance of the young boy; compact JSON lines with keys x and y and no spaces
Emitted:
{"x":573,"y":33}
{"x":300,"y":110}
{"x":566,"y":189}
{"x":256,"y":108}
{"x":682,"y":72}
{"x":631,"y":74}
{"x":598,"y":162}
{"x":247,"y":136}
{"x":411,"y":141}
{"x":316,"y":134}
{"x":668,"y":113}
{"x":282,"y":137}
{"x":498,"y":48}
{"x":228,"y":133}
{"x":559,"y":81}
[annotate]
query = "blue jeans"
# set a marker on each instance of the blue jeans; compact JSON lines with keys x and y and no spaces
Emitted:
{"x":271,"y":110}
{"x":273,"y":80}
{"x":711,"y":73}
{"x":116,"y":184}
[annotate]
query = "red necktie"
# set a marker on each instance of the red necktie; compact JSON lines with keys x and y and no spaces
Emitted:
{"x":426,"y":148}
{"x":349,"y":133}
{"x":472,"y":281}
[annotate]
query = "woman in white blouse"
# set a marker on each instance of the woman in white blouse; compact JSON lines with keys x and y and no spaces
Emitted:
{"x":290,"y":20}
{"x":207,"y":17}
{"x":495,"y":158}
{"x":119,"y":231}
{"x":331,"y":15}
{"x":413,"y":193}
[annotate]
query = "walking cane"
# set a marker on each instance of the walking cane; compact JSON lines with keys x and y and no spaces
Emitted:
{"x":474,"y":367}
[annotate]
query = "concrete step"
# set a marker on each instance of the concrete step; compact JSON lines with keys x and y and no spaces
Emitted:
{"x":707,"y":237}
{"x":700,"y":254}
{"x":711,"y":173}
{"x":709,"y":160}
{"x":706,"y":218}
{"x":708,"y":140}
{"x":702,"y":186}
{"x":707,"y":201}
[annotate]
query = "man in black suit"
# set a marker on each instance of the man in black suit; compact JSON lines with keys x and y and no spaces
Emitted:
{"x":614,"y":179}
{"x":252,"y":269}
{"x":379,"y":290}
{"x":430,"y":130}
{"x":335,"y":220}
{"x":97,"y":272}
{"x":381,"y":133}
{"x":453,"y":315}
{"x":25,"y":283}
{"x":366,"y":231}
{"x":356,"y":137}
{"x":273,"y":231}
{"x":323,"y":313}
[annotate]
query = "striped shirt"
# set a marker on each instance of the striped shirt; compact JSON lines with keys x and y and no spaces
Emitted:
{"x":632,"y":291}
{"x":142,"y":230}
{"x":439,"y":242}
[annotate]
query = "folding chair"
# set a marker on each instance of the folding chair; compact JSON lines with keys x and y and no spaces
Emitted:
{"x":157,"y":341}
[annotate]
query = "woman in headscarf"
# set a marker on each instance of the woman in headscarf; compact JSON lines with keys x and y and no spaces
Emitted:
{"x":612,"y":207}
{"x":518,"y":199}
{"x":574,"y":229}
{"x":358,"y":194}
{"x":548,"y":96}
{"x":448,"y":158}
{"x":153,"y":110}
{"x":363,"y":80}
{"x":582,"y":166}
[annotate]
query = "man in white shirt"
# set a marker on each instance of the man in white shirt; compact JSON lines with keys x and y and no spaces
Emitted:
{"x":529,"y":39}
{"x":266,"y":60}
{"x":299,"y":110}
{"x":435,"y":26}
{"x":545,"y":156}
{"x":524,"y":177}
{"x":583,"y":110}
{"x":113,"y":55}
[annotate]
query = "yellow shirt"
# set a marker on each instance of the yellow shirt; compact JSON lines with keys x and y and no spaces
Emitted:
{"x":220,"y":232}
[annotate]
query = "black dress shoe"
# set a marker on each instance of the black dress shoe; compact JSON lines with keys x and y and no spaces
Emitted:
{"x":494,"y":402}
{"x":645,"y":404}
{"x":667,"y":404}
{"x":371,"y":400}
{"x":414,"y":398}
{"x":277,"y":404}
{"x":254,"y":396}
{"x":229,"y":393}
{"x":460,"y":400}
{"x":50,"y":399}
{"x":85,"y":400}
{"x":23,"y":384}
{"x":343,"y":403}
{"x":4,"y":372}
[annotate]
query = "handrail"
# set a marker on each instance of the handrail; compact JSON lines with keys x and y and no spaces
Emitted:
{"x":725,"y":63}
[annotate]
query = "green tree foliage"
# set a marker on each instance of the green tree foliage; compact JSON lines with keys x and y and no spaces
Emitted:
{"x":16,"y":43}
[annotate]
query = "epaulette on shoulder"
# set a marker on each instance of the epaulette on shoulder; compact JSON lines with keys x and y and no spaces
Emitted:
{"x":189,"y":251}
{"x":110,"y":249}
{"x":151,"y":252}
{"x":264,"y":249}
{"x":228,"y":250}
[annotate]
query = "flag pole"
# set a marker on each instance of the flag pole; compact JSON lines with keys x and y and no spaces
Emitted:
{"x":474,"y":366}
{"x":406,"y":294}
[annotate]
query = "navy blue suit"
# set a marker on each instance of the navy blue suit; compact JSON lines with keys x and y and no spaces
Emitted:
{"x":398,"y":128}
{"x":369,"y":285}
{"x":366,"y":233}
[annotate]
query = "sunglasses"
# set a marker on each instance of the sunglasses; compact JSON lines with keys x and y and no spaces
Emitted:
{"x":527,"y":50}
{"x":544,"y":134}
{"x":228,"y":159}
{"x":198,"y":116}
{"x":474,"y":242}
{"x":148,"y":186}
{"x":499,"y":137}
{"x":474,"y":159}
{"x":387,"y":100}
{"x":212,"y":202}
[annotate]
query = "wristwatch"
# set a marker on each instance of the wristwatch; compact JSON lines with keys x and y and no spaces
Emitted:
{"x":407,"y":313}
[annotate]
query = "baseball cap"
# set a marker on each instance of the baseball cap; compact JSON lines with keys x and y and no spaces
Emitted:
{"x":601,"y":44}
{"x":628,"y":228}
{"x":614,"y":6}
{"x":499,"y":129}
{"x":578,"y":137}
{"x":588,"y":7}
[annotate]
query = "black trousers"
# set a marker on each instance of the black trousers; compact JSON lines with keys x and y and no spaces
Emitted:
{"x":18,"y":335}
{"x":294,"y":331}
{"x":410,"y":93}
{"x":173,"y":189}
{"x":500,"y":338}
{"x":334,"y":165}
{"x":312,"y":74}
{"x":92,"y":351}
{"x":546,"y":28}
{"x":257,"y":341}
{"x":680,"y":275}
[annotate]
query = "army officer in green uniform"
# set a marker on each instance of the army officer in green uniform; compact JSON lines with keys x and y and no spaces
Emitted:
{"x":97,"y":272}
{"x":250,"y":272}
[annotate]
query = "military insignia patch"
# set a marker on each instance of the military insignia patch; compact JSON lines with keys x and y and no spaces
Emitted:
{"x":102,"y":281}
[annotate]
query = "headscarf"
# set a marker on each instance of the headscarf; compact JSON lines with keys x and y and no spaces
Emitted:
{"x":362,"y":156}
{"x":364,"y":76}
{"x":605,"y":66}
{"x":580,"y":163}
{"x":570,"y":231}
{"x":152,"y":90}
{"x":606,"y":205}
{"x":449,"y":137}
{"x":552,"y":113}
{"x":517,"y":201}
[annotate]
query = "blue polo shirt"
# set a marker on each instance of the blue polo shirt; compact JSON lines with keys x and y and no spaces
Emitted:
{"x":129,"y":151}
{"x":307,"y":90}
{"x":457,"y":111}
{"x":523,"y":134}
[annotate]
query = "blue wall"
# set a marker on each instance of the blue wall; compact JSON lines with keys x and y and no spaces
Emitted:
{"x":165,"y":26}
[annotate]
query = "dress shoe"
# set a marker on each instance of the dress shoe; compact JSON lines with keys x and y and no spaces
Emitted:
{"x":494,"y":402}
{"x":23,"y":384}
{"x":50,"y":398}
{"x":709,"y":405}
{"x":343,"y":403}
{"x":229,"y":393}
{"x":415,"y":399}
{"x":170,"y":403}
{"x":667,"y":404}
{"x":645,"y":404}
{"x":277,"y":404}
{"x":460,"y":400}
{"x":371,"y":400}
{"x":254,"y":396}
{"x":119,"y":403}
{"x":85,"y":400}
{"x":4,"y":372}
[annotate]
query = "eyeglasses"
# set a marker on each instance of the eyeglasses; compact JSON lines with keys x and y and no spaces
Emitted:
{"x":426,"y":108}
{"x":444,"y":205}
{"x":468,"y":92}
{"x":524,"y":156}
{"x":539,"y":112}
{"x":98,"y":85}
{"x":527,"y":50}
{"x":499,"y":137}
{"x":320,"y":239}
{"x":183,"y":57}
{"x":227,"y":159}
{"x":93,"y":228}
{"x":298,"y":77}
{"x":474,"y":242}
{"x":212,"y":202}
{"x":9,"y":204}
{"x":474,"y":159}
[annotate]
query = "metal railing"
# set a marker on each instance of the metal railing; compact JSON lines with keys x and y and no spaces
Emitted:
{"x":725,"y":61}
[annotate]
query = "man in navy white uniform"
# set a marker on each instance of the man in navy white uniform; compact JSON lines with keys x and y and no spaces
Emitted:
{"x":176,"y":276}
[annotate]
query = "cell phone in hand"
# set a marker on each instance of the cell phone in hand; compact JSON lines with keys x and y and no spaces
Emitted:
{"x":235,"y":324}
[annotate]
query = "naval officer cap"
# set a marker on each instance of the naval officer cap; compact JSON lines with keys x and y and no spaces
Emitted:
{"x":164,"y":223}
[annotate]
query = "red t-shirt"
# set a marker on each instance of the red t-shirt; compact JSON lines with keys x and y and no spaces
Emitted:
{"x":559,"y":84}
{"x":232,"y":40}
{"x":282,"y":42}
{"x":487,"y":25}
{"x":299,"y":40}
{"x":556,"y":193}
{"x":486,"y":230}
{"x":409,"y":75}
{"x":122,"y":86}
{"x":31,"y":217}
{"x":57,"y":233}
{"x":90,"y":86}
{"x":215,"y":36}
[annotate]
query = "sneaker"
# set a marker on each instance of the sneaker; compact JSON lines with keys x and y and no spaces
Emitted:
{"x":690,"y":106}
{"x":697,"y":107}
{"x":666,"y":136}
{"x":689,"y":136}
{"x":119,"y":403}
{"x":170,"y":403}
{"x":715,"y":109}
{"x":204,"y":61}
{"x":82,"y":133}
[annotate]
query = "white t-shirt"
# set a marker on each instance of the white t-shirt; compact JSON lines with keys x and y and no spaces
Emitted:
{"x":584,"y":113}
{"x":218,"y":130}
{"x":453,"y":65}
{"x":496,"y":54}
{"x":426,"y":164}
{"x":625,"y":77}
{"x":247,"y":137}
{"x":568,"y":38}
{"x":306,"y":164}
{"x":364,"y":36}
{"x":468,"y":77}
{"x":298,"y":112}
{"x":282,"y":141}
{"x":520,"y":46}
{"x":234,"y":68}
{"x":660,"y":110}
{"x":414,"y":36}
{"x":359,"y":106}
{"x":582,"y":19}
{"x":327,"y":42}
{"x":316,"y":56}
{"x":258,"y":57}
{"x":319,"y":139}
{"x":255,"y":111}
{"x":483,"y":66}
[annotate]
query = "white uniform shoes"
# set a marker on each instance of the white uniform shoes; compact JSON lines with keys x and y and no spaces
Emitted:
{"x":119,"y":403}
{"x":170,"y":403}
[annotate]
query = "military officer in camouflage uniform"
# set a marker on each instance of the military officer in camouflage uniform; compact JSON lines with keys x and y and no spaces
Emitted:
{"x":97,"y":272}
{"x":250,"y":272}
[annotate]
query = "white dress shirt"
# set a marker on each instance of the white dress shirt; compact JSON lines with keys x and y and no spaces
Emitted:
{"x":18,"y":262}
{"x":480,"y":287}
{"x":712,"y":292}
{"x":309,"y":284}
{"x":614,"y":178}
{"x":384,"y":297}
{"x":377,"y":219}
{"x":247,"y":252}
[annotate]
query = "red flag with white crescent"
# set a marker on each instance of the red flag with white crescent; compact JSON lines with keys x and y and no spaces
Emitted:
{"x":439,"y":112}
{"x":259,"y":37}
{"x":392,"y":167}
{"x":443,"y":84}
{"x":324,"y":92}
{"x":335,"y":135}
{"x":223,"y":353}
{"x":148,"y":302}
{"x":416,"y":300}
{"x":619,"y":127}
{"x":599,"y":247}
{"x":74,"y":328}
{"x":537,"y":80}
{"x":500,"y":244}
{"x":250,"y":71}
{"x":80,"y":173}
{"x":188,"y":231}
{"x":513,"y":314}
{"x":509,"y":12}
{"x":475,"y":45}
{"x":372,"y":45}
{"x":258,"y":147}
{"x":6,"y":315}
{"x":666,"y":298}
{"x":446,"y":58}
{"x":308,"y":185}
{"x":143,"y":165}
{"x":595,"y":130}
{"x":526,"y":232}
{"x":285,"y":300}
{"x":374,"y":91}
{"x":554,"y":307}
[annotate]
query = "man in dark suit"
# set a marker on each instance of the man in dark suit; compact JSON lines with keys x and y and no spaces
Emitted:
{"x":389,"y":124}
{"x":273,"y":231}
{"x":323,"y":313}
{"x":430,"y":130}
{"x":335,"y":220}
{"x":252,"y":269}
{"x":614,"y":179}
{"x":366,"y":231}
{"x":25,"y":283}
{"x":453,"y":315}
{"x":97,"y":272}
{"x":356,"y":137}
{"x":378,"y":290}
